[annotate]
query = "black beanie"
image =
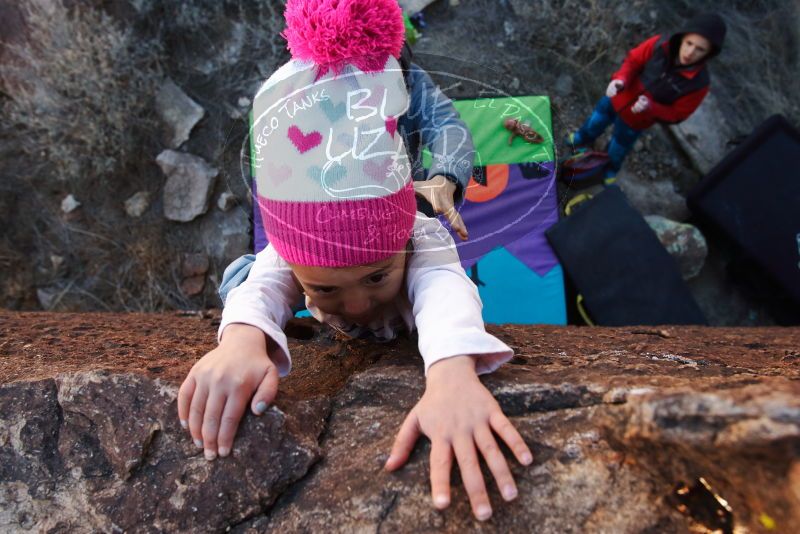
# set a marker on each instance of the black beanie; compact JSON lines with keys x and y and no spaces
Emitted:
{"x":711,"y":26}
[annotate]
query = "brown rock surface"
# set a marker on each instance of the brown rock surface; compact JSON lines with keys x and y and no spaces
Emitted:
{"x":618,"y":420}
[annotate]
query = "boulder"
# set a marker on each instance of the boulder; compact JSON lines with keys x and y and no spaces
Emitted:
{"x":683,"y":241}
{"x":190,"y":182}
{"x":656,"y":429}
{"x":178,"y":112}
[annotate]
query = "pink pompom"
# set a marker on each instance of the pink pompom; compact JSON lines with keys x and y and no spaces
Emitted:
{"x":333,"y":33}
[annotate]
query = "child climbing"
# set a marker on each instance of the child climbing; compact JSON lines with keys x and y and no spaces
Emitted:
{"x":664,"y":79}
{"x":338,"y":207}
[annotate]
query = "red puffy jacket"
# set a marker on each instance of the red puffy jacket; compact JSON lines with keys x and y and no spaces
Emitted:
{"x":629,"y":73}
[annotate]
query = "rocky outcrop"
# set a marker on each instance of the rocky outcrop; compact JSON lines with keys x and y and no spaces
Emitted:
{"x":94,"y":451}
{"x":632,"y":430}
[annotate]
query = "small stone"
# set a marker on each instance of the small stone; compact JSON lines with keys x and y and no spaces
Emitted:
{"x":190,"y":181}
{"x":226,"y":201}
{"x":56,"y":261}
{"x":137,"y":204}
{"x":508,"y":28}
{"x":514,"y":85}
{"x":243,"y":102}
{"x":69,"y":204}
{"x":194,"y":264}
{"x":193,"y":286}
{"x":638,"y":146}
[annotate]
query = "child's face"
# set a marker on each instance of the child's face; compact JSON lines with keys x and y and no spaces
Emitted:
{"x":357,"y":294}
{"x":694,"y":47}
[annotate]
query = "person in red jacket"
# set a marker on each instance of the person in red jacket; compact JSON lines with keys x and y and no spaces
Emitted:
{"x":664,"y":79}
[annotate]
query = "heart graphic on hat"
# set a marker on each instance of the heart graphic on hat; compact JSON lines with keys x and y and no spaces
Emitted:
{"x":278,"y":174}
{"x":334,"y":113}
{"x":303,"y":142}
{"x":332,"y":175}
{"x":391,"y":125}
{"x":379,"y":171}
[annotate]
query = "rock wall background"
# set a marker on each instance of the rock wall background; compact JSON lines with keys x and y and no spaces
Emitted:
{"x":115,"y":111}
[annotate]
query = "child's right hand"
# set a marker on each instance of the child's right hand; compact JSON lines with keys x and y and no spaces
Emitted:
{"x":614,"y":87}
{"x":212,"y":399}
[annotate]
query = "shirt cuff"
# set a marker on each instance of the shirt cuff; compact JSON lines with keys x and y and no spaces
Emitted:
{"x":489,"y":352}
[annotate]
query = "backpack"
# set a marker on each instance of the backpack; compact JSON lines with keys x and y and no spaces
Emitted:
{"x":584,"y":166}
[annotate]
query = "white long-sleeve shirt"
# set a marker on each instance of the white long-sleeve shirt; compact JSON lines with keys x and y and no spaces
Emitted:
{"x":441,"y":302}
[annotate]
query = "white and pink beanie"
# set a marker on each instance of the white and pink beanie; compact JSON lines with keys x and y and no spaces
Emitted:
{"x":332,"y":175}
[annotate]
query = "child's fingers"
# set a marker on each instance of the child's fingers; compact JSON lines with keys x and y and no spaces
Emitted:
{"x":472,"y":477}
{"x":496,"y":462}
{"x":457,"y":223}
{"x":508,"y":433}
{"x":404,"y":442}
{"x":266,"y":391}
{"x":211,"y":422}
{"x":185,"y":400}
{"x":441,"y":465}
{"x":229,"y":421}
{"x":196,"y":410}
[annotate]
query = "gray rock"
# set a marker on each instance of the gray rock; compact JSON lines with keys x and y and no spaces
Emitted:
{"x":190,"y":181}
{"x":226,"y":201}
{"x":137,"y":204}
{"x":69,"y":204}
{"x":683,"y":241}
{"x":653,"y":197}
{"x":704,"y":135}
{"x":179,"y":112}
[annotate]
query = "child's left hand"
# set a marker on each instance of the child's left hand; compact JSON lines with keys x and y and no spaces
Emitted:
{"x":457,"y":413}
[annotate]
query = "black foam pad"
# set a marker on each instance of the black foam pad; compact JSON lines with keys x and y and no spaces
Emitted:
{"x":753,"y":197}
{"x":617,"y":263}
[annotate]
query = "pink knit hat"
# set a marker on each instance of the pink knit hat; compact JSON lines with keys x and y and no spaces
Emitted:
{"x":332,"y":173}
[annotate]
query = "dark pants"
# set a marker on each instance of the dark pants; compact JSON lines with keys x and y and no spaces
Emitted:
{"x":622,"y":138}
